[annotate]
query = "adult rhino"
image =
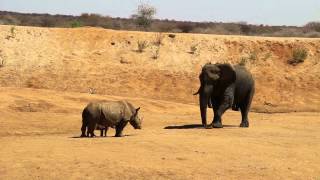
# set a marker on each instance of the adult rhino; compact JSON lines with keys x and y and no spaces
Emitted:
{"x":109,"y":114}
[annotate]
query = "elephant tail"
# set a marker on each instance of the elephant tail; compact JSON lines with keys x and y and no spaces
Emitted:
{"x":197,"y":92}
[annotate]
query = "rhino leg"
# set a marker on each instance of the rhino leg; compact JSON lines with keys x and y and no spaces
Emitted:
{"x":103,"y":131}
{"x":91,"y":127}
{"x":119,"y":128}
{"x":83,"y":129}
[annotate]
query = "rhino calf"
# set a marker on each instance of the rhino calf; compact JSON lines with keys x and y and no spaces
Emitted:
{"x":109,"y":114}
{"x":103,"y":129}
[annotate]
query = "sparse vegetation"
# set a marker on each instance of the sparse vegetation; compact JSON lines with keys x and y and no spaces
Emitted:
{"x":12,"y":33}
{"x":298,"y":56}
{"x":158,"y":39}
{"x":2,"y":60}
{"x":253,"y":56}
{"x":243,"y":61}
{"x":142,"y":45}
{"x":193,"y":48}
{"x":155,"y":54}
{"x":172,"y":36}
{"x":267,"y":56}
{"x":92,"y":91}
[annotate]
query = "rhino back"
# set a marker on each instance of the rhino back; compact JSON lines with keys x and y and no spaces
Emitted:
{"x":113,"y":112}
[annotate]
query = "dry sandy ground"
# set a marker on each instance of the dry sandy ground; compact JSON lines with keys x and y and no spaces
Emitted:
{"x":39,"y":130}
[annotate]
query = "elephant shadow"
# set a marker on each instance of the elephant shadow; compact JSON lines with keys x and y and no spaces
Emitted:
{"x":195,"y":126}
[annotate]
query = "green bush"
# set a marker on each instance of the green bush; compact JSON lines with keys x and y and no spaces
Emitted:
{"x":298,"y":56}
{"x":75,"y":24}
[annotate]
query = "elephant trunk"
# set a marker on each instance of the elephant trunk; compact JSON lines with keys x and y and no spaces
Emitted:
{"x":205,"y":94}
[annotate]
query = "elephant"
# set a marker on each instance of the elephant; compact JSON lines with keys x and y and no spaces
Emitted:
{"x":224,"y":86}
{"x":109,"y":114}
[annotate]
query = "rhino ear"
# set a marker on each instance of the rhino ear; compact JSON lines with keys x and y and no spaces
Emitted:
{"x":137,"y":109}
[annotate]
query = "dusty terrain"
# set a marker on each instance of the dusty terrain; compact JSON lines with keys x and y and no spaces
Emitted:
{"x":48,"y":74}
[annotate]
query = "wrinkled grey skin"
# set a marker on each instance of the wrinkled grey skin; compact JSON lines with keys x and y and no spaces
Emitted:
{"x":224,"y":86}
{"x":109,"y":114}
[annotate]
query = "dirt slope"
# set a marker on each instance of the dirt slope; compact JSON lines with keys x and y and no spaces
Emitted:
{"x":108,"y":61}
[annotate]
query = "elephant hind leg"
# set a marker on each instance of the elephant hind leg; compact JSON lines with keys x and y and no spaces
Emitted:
{"x":245,"y":107}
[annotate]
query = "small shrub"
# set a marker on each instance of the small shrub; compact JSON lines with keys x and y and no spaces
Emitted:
{"x":172,"y":36}
{"x":158,"y":39}
{"x":253,"y":56}
{"x":298,"y":56}
{"x":12,"y":33}
{"x":2,"y":63}
{"x":142,"y":45}
{"x":155,"y":54}
{"x":92,"y":91}
{"x":75,"y":24}
{"x":243,"y":61}
{"x":2,"y":60}
{"x":193,"y":48}
{"x":267,"y":56}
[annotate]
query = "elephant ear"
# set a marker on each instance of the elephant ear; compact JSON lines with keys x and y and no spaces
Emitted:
{"x":227,"y":73}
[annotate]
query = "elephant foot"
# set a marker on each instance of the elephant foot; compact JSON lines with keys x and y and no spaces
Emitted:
{"x":83,"y":135}
{"x":244,"y":124}
{"x":205,"y":126}
{"x":119,"y":134}
{"x":217,"y":125}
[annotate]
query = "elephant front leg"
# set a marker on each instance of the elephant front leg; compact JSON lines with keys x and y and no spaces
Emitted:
{"x":218,"y":112}
{"x":120,"y":127}
{"x":216,"y":123}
